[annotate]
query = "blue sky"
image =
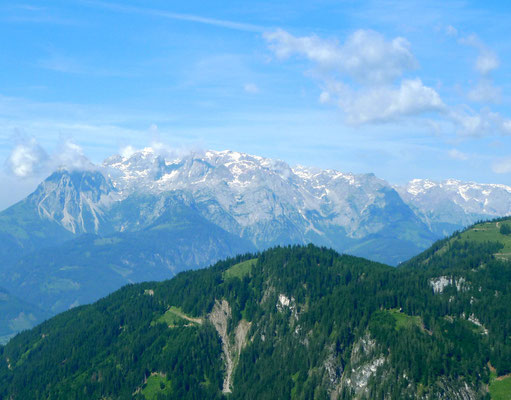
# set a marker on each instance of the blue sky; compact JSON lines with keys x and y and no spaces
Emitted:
{"x":415,"y":89}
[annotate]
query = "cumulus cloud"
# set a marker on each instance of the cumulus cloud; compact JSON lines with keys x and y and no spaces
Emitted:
{"x":365,"y":56}
{"x":26,"y":159}
{"x":363,"y":75}
{"x":487,"y":60}
{"x":451,"y":31}
{"x":506,"y":126}
{"x":163,"y":150}
{"x":476,"y":124}
{"x":385,"y":103}
{"x":325,"y":97}
{"x":70,"y":156}
{"x":368,"y":77}
{"x":127,"y":151}
{"x":485,"y":92}
{"x":174,"y":152}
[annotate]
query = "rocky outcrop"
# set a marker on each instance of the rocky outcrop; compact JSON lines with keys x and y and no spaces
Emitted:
{"x":232,"y":342}
{"x":364,"y":363}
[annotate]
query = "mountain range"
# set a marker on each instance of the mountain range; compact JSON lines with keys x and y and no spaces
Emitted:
{"x":149,"y":215}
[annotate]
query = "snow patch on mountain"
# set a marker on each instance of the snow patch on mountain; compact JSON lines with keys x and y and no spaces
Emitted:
{"x":453,"y":204}
{"x":255,"y":190}
{"x":490,"y":199}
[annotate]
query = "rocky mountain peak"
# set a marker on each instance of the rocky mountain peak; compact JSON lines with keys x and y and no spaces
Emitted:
{"x":74,"y":199}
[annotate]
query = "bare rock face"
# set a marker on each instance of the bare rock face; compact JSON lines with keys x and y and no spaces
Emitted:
{"x":76,"y":200}
{"x":232,"y":342}
{"x":365,"y":361}
{"x":219,"y":317}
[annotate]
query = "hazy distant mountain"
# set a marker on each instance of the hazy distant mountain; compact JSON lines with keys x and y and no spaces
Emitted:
{"x":17,"y":315}
{"x":65,"y":205}
{"x":84,"y":269}
{"x":452,"y":205}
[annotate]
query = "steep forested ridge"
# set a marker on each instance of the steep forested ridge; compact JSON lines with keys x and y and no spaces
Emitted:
{"x":292,"y":322}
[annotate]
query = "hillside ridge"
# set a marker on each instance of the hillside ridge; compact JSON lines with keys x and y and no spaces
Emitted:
{"x":315,"y":322}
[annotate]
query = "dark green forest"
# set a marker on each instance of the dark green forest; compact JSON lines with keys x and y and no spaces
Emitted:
{"x":301,"y":322}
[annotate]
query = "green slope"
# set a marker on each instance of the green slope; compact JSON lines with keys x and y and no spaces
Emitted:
{"x":500,"y":388}
{"x":476,"y":273}
{"x":299,"y":322}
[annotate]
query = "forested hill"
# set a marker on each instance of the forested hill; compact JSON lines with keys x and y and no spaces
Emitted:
{"x":293,"y":322}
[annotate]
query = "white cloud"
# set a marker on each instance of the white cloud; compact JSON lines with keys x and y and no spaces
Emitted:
{"x":171,"y":153}
{"x":365,"y":77}
{"x":451,"y":31}
{"x":159,"y":148}
{"x":360,"y":74}
{"x":324,"y":97}
{"x":506,"y":126}
{"x":383,"y":104}
{"x":26,"y":159}
{"x":127,"y":151}
{"x":251,"y":88}
{"x":477,"y":124}
{"x":487,"y":60}
{"x":365,"y":56}
{"x":472,"y":124}
{"x":455,"y":154}
{"x":70,"y":156}
{"x":485,"y":92}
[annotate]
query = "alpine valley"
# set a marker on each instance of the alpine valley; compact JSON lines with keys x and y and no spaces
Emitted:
{"x":147,"y":216}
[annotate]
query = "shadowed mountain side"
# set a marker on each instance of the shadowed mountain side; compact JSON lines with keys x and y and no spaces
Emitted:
{"x":84,"y":269}
{"x":17,"y":315}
